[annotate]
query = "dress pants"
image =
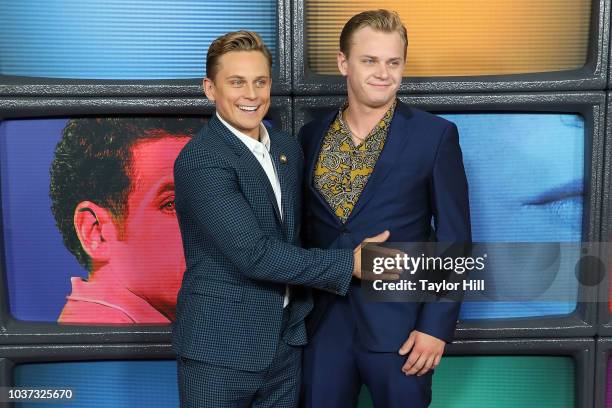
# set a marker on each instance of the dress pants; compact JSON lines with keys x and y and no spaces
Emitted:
{"x":336,"y":365}
{"x":203,"y":385}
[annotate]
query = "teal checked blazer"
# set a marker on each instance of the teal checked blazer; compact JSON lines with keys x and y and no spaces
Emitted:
{"x":240,"y":253}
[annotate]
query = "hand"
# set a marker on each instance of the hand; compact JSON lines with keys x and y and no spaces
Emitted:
{"x":388,"y":274}
{"x":425,"y":355}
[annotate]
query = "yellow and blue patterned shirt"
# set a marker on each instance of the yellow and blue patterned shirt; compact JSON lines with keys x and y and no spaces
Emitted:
{"x":343,"y":168}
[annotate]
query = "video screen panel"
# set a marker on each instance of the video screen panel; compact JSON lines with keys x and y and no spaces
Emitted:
{"x":485,"y":381}
{"x":526,"y":183}
{"x":530,"y":166}
{"x":90,"y":232}
{"x":501,"y":382}
{"x":464,"y":38}
{"x":98,"y":384}
{"x":123,"y":40}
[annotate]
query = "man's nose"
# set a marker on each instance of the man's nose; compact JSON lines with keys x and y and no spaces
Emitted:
{"x":382,"y":71}
{"x":250,"y":91}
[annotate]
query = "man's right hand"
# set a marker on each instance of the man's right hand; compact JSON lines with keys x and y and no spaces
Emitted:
{"x":387,"y":275}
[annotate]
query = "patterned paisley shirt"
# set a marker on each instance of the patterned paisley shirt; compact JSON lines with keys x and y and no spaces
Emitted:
{"x":343,"y":168}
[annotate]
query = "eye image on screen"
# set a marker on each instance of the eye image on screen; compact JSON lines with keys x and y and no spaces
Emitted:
{"x":132,"y":39}
{"x":525,"y":174}
{"x":99,"y":384}
{"x":90,"y":229}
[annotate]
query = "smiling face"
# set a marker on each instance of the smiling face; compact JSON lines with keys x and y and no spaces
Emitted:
{"x":241,"y":90}
{"x":149,"y":257}
{"x":374,"y":67}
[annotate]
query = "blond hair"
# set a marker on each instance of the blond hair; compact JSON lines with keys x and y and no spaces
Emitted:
{"x":386,"y":21}
{"x":234,"y":41}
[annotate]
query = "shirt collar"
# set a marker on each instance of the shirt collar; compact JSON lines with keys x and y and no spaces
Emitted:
{"x":252,"y":144}
{"x":386,"y":119}
{"x":118,"y":298}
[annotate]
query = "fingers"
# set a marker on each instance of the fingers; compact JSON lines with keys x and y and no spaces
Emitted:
{"x":382,"y":237}
{"x":419,"y":364}
{"x":407,"y":345}
{"x":414,"y":363}
{"x":429,"y":364}
{"x":425,"y":353}
{"x":385,"y":276}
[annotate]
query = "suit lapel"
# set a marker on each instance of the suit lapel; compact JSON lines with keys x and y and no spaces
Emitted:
{"x":248,"y":161}
{"x":282,"y":172}
{"x":394,"y":145}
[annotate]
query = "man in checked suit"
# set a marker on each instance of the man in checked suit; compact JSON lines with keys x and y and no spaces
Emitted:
{"x":240,"y":320}
{"x":377,"y":164}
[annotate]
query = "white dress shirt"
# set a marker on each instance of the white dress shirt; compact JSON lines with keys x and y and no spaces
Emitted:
{"x":261,"y":150}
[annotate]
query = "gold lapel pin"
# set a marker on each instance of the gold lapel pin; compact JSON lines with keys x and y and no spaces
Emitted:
{"x":283,"y":159}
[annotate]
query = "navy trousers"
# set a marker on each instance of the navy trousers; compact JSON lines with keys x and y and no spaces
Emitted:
{"x":203,"y":385}
{"x":336,"y":365}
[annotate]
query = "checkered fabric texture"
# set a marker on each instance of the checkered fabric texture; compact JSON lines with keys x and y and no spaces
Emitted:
{"x":240,"y":254}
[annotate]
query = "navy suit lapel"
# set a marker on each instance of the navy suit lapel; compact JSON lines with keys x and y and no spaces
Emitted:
{"x":247,"y":160}
{"x":282,"y":172}
{"x":394,"y":145}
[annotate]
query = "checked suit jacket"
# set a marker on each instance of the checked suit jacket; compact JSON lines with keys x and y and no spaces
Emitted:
{"x":240,"y":253}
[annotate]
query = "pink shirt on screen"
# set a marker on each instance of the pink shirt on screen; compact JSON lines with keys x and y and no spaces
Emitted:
{"x":96,"y":304}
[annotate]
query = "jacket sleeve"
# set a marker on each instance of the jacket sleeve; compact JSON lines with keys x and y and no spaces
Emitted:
{"x":211,"y":196}
{"x":451,"y":211}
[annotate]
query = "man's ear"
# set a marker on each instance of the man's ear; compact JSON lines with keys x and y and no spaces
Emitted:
{"x":209,"y":88}
{"x":342,"y":63}
{"x":95,"y":228}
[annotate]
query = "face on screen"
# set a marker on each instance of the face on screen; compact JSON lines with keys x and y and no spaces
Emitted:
{"x":241,"y":89}
{"x":374,"y":67}
{"x":525,"y":173}
{"x":149,"y":256}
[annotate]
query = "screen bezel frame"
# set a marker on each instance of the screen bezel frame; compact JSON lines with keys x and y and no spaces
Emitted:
{"x":603,"y":352}
{"x":604,"y":316}
{"x":30,"y":86}
{"x":592,"y":76}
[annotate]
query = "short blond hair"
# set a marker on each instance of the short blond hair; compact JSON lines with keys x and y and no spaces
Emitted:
{"x":386,"y":21}
{"x":234,"y":41}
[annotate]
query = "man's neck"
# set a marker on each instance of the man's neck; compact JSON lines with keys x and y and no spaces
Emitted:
{"x":361,"y":119}
{"x":254,"y":136}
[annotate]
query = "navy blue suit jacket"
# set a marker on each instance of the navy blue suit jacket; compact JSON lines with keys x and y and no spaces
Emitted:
{"x":240,"y":253}
{"x":419,"y":176}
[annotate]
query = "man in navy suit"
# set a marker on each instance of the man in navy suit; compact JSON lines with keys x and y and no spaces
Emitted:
{"x":240,"y":320}
{"x":377,"y":164}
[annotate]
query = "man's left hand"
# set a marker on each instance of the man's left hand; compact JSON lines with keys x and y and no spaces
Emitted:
{"x":425,"y":353}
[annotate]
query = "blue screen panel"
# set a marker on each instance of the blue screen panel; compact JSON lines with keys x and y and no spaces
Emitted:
{"x":38,"y":284}
{"x":99,"y":384}
{"x":131,"y":39}
{"x":526,"y":174}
